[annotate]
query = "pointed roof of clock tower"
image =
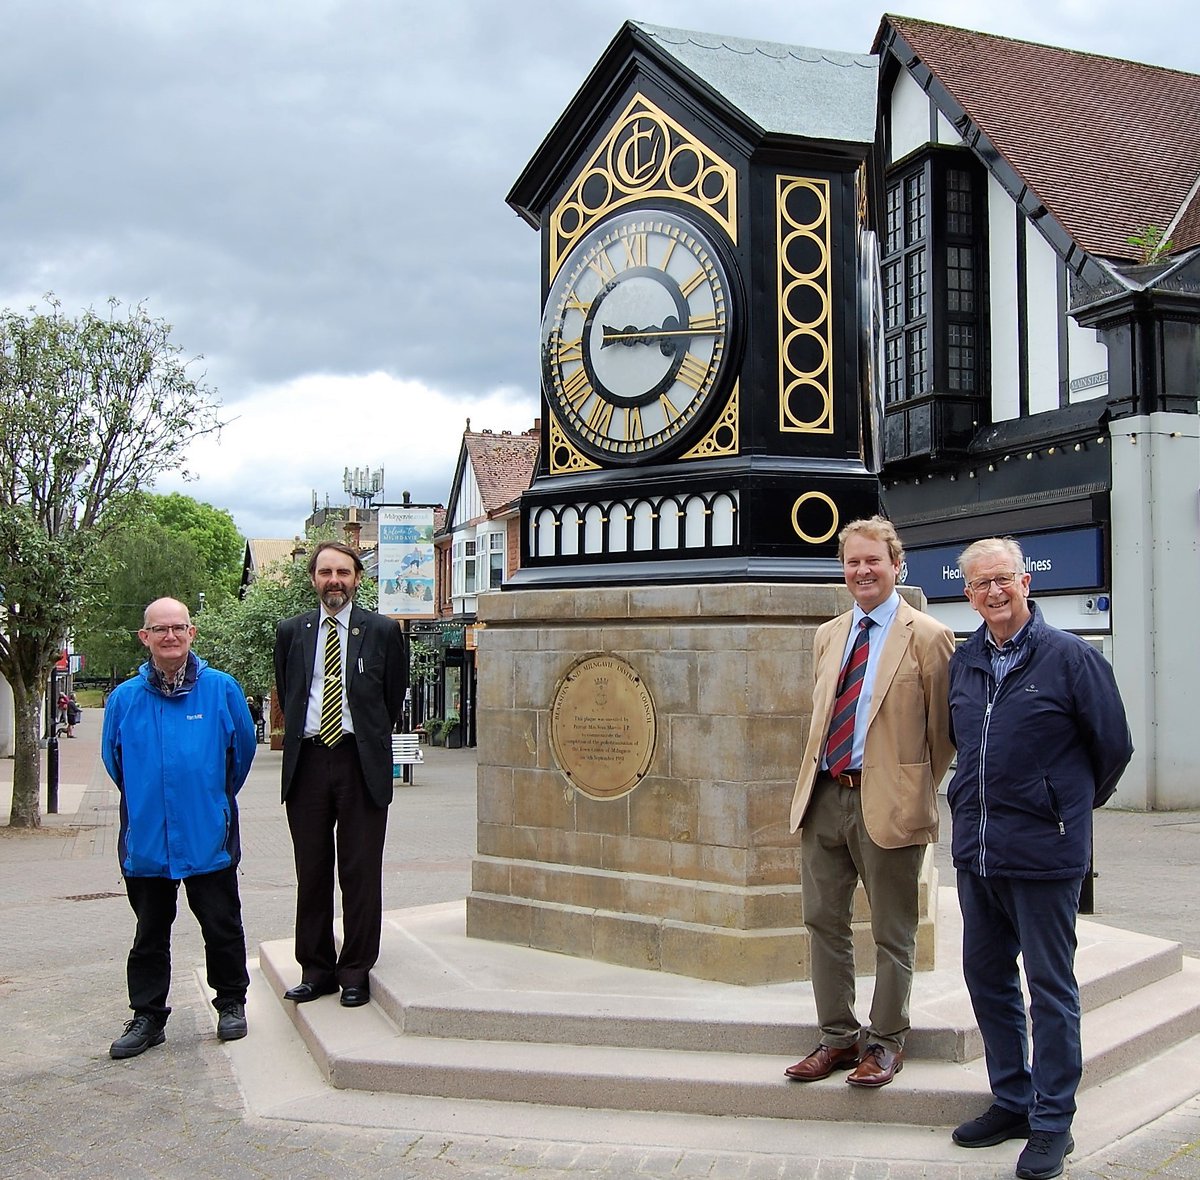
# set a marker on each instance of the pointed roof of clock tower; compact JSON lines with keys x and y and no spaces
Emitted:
{"x":790,"y":90}
{"x":765,"y":92}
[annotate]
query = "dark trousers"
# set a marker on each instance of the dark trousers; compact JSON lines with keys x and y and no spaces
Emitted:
{"x":1004,"y":917}
{"x":333,"y":820}
{"x":213,"y":898}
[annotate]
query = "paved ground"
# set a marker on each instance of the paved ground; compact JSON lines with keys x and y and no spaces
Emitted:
{"x":67,"y":1110}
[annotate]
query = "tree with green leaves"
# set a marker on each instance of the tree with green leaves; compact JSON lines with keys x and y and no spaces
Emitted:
{"x":139,"y":562}
{"x":238,"y":636}
{"x":92,"y":408}
{"x":168,"y":546}
{"x":211,"y":532}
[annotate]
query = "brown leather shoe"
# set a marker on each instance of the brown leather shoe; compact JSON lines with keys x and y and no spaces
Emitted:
{"x":821,"y":1062}
{"x":877,"y":1067}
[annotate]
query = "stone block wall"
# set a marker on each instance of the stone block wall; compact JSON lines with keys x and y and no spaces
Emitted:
{"x":694,"y":871}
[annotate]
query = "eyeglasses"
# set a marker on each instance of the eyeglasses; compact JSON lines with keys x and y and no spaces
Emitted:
{"x":981,"y":585}
{"x":173,"y":628}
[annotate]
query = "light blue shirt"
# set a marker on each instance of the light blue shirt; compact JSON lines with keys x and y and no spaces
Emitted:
{"x":882,"y":616}
{"x":1005,"y":655}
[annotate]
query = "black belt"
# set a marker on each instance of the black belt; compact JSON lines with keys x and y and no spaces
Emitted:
{"x":317,"y":740}
{"x":850,"y":778}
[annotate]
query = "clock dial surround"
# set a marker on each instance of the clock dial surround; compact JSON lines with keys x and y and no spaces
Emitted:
{"x":637,"y":335}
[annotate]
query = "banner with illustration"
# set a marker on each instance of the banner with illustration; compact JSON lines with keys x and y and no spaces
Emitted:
{"x":406,"y":561}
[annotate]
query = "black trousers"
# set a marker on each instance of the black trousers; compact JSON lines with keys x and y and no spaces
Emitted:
{"x":213,"y":898}
{"x":333,"y":820}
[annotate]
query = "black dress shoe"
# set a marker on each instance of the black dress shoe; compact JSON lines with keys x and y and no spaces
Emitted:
{"x":303,"y":992}
{"x":141,"y":1033}
{"x":355,"y":997}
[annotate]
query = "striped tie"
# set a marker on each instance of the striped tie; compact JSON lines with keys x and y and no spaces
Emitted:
{"x":331,"y":691}
{"x":841,"y":729}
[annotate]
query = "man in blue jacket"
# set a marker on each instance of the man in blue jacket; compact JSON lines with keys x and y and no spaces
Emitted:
{"x":1042,"y":740}
{"x":178,"y":742}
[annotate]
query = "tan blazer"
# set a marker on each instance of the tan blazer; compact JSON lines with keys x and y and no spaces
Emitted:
{"x":908,"y":747}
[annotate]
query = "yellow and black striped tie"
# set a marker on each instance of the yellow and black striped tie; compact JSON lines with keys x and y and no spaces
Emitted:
{"x":331,"y":691}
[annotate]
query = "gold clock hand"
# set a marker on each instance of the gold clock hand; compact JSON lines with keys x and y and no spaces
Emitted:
{"x":630,"y":335}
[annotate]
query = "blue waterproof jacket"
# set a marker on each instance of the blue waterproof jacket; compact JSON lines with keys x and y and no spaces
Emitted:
{"x":1035,"y":754}
{"x":178,"y":762}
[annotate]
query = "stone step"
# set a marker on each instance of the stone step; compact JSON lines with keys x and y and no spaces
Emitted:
{"x":280,"y":1079}
{"x":468,"y":1019}
{"x":433,"y":981}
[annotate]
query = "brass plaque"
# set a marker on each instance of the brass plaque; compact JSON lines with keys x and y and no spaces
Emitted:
{"x":603,"y":726}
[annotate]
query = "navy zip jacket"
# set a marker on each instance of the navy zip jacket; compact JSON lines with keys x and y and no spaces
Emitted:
{"x":1035,"y":754}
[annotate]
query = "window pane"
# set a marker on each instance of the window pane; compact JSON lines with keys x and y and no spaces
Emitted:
{"x":960,"y":278}
{"x":958,"y":202}
{"x":893,"y":238}
{"x":961,"y":357}
{"x":915,"y":268}
{"x":893,"y":295}
{"x":918,"y":362}
{"x":914,"y":208}
{"x":894,"y":369}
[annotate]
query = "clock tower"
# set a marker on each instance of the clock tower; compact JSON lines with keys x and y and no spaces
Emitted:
{"x":709,"y":367}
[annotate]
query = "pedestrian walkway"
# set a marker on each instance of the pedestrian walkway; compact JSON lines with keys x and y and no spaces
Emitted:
{"x":67,"y":1110}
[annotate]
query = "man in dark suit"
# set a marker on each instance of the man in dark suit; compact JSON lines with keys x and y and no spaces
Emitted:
{"x":340,"y":676}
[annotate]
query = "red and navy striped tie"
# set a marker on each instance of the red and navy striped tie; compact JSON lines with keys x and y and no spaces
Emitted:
{"x":841,"y":729}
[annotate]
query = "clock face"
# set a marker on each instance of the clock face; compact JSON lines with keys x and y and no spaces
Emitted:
{"x":635,"y":334}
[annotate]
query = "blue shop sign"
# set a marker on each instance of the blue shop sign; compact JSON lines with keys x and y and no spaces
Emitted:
{"x":1069,"y":560}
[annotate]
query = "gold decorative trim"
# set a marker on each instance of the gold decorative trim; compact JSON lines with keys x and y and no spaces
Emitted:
{"x":564,"y":457}
{"x":805,"y":318}
{"x":645,"y":153}
{"x":833,"y":512}
{"x":722,"y":438}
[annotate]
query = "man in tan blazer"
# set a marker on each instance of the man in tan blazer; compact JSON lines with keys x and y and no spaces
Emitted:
{"x":866,"y":800}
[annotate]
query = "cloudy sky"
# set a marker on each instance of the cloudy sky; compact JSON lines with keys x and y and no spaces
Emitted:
{"x":312,"y":192}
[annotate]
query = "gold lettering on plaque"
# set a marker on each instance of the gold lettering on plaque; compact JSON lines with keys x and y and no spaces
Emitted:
{"x":603,"y":726}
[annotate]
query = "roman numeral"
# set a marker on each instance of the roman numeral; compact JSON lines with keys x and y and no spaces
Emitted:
{"x":692,"y":371}
{"x":692,"y":283}
{"x":633,"y":423}
{"x":635,"y":249}
{"x":600,"y":416}
{"x":603,"y":267}
{"x":576,"y":389}
{"x":570,"y":350}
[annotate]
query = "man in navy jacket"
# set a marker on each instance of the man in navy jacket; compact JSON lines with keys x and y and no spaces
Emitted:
{"x":178,"y":742}
{"x":1042,"y":740}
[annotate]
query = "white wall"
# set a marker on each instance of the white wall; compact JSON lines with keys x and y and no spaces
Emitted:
{"x":910,"y":118}
{"x":1002,"y":272}
{"x":1156,"y":628}
{"x":1044,"y":321}
{"x":469,"y":505}
{"x":7,"y":732}
{"x":1088,"y":356}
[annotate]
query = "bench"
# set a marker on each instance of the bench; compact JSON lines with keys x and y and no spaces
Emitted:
{"x":406,"y":753}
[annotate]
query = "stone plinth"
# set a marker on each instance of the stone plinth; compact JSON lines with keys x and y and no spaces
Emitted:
{"x":693,"y":871}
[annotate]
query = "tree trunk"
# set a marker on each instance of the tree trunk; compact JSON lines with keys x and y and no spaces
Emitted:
{"x":27,"y":762}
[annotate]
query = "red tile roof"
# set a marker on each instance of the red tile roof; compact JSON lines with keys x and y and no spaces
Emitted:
{"x":1108,"y":146}
{"x":503,"y":464}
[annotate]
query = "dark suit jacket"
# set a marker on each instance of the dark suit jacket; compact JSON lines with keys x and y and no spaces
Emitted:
{"x":375,"y":683}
